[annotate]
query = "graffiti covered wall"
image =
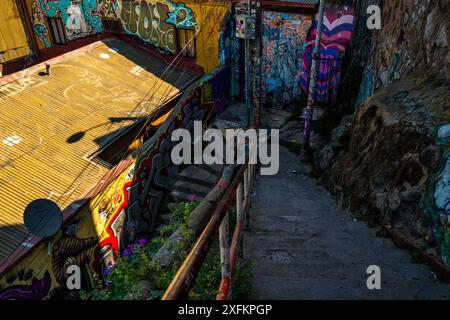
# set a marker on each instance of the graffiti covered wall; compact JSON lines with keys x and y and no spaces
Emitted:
{"x":150,"y":22}
{"x":80,"y":17}
{"x":156,"y":23}
{"x":284,"y":36}
{"x":13,"y":40}
{"x":437,"y":201}
{"x":414,"y":38}
{"x":336,"y":35}
{"x":123,"y":211}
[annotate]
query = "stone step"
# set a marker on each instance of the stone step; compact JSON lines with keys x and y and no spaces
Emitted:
{"x":180,"y":196}
{"x":214,"y":169}
{"x":304,"y":246}
{"x":199,"y":176}
{"x":189,"y":187}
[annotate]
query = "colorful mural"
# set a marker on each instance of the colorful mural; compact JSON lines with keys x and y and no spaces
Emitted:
{"x":336,"y":36}
{"x":108,"y":8}
{"x":80,"y":17}
{"x":284,"y":36}
{"x":150,"y":22}
{"x":123,"y":211}
{"x":38,"y":19}
{"x":437,"y":200}
{"x":328,"y":74}
{"x":154,"y":22}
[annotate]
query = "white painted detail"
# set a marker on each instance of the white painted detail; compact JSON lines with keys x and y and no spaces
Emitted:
{"x":136,"y":70}
{"x":12,"y":140}
{"x":444,"y":132}
{"x":104,"y":56}
{"x":27,"y":244}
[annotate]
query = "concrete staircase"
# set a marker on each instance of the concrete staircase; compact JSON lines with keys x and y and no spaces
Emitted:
{"x":307,"y":247}
{"x":195,"y":182}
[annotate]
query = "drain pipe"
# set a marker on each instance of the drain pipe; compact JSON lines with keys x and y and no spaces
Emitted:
{"x":306,"y":155}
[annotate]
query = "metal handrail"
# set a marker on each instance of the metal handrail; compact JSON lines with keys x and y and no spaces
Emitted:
{"x":240,"y":188}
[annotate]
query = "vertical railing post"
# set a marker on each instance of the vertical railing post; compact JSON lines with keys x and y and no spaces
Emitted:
{"x":239,"y":208}
{"x":224,"y":241}
{"x":246,"y":196}
{"x":239,"y":203}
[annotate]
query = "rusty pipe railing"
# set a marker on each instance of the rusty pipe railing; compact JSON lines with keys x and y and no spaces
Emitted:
{"x":240,"y":188}
{"x":243,"y":196}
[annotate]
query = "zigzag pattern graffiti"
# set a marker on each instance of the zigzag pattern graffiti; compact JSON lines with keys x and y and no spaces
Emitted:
{"x":336,"y":35}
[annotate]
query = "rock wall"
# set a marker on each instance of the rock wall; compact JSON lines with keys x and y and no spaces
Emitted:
{"x":414,"y":39}
{"x":395,"y":166}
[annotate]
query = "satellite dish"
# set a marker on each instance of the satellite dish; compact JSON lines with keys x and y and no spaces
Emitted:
{"x":43,"y":218}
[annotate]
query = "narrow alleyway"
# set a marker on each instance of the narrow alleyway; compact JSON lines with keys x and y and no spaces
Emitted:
{"x":306,"y":247}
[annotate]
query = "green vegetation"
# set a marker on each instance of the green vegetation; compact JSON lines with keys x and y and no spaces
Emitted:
{"x":208,"y":279}
{"x":136,"y":262}
{"x":136,"y":265}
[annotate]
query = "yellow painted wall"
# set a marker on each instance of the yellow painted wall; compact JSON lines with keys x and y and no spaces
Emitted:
{"x":89,"y":227}
{"x":13,"y":39}
{"x":209,"y":16}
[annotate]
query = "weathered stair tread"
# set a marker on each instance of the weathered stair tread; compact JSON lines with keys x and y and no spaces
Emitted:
{"x":306,"y":247}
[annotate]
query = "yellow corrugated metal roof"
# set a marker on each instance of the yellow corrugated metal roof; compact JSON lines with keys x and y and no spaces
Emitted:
{"x":49,"y":125}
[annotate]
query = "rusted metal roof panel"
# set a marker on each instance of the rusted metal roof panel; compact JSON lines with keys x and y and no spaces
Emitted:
{"x":49,"y":125}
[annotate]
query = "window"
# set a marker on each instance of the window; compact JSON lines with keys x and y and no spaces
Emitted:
{"x":57,"y":30}
{"x":185,"y":45}
{"x":112,"y":25}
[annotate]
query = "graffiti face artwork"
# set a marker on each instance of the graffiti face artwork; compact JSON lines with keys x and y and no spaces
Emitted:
{"x":284,"y":35}
{"x":155,"y":22}
{"x":70,"y":250}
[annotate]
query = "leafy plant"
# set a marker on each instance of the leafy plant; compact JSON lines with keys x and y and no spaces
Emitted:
{"x":209,"y":277}
{"x":136,"y":262}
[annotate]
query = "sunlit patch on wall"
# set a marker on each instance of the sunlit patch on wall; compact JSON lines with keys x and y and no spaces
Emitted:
{"x":136,"y":70}
{"x":12,"y":140}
